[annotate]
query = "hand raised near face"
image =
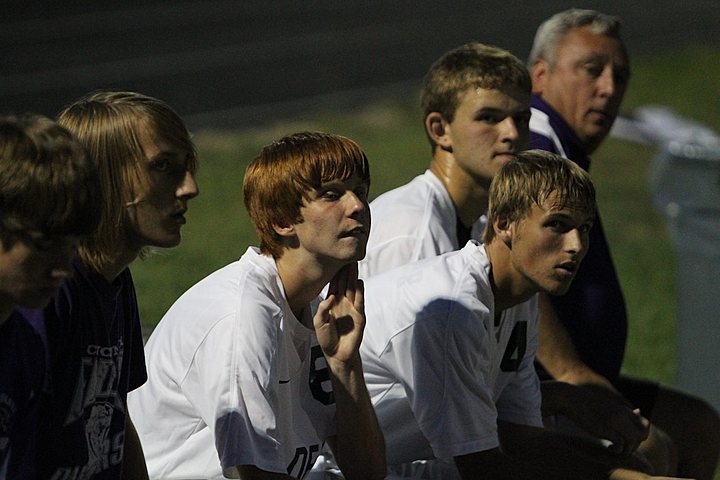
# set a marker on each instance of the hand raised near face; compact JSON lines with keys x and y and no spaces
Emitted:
{"x":340,"y":318}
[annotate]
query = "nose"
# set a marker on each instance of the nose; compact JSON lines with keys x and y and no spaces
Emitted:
{"x":510,"y":130}
{"x":355,"y":203}
{"x":606,"y":82}
{"x":61,"y":267}
{"x":61,"y":272}
{"x":188,"y":188}
{"x":576,"y":242}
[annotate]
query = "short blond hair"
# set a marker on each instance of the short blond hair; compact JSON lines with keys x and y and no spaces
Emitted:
{"x":530,"y":179}
{"x":473,"y":65}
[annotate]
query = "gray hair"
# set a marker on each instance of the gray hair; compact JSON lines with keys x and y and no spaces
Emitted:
{"x":556,"y":27}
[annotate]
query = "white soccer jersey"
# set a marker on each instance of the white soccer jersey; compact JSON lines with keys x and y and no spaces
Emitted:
{"x":233,"y":379}
{"x":412,"y":222}
{"x":440,"y":372}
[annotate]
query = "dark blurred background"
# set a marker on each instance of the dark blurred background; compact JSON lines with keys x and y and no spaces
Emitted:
{"x":233,"y":63}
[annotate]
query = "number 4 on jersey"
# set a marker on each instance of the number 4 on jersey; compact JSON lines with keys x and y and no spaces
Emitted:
{"x":515,"y":350}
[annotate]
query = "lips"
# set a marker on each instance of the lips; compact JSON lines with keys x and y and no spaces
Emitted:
{"x":510,"y":155}
{"x":568,"y":268}
{"x":179,"y":217}
{"x":355,"y":232}
{"x":604,"y":115}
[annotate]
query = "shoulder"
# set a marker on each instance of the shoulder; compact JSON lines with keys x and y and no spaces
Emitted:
{"x":246,"y":290}
{"x":413,"y":197}
{"x":409,"y":223}
{"x":433,"y":287}
{"x":542,"y":135}
{"x":23,"y":329}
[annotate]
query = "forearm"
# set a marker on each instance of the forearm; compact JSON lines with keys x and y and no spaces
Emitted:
{"x":359,"y":445}
{"x":555,"y":455}
{"x":557,"y":353}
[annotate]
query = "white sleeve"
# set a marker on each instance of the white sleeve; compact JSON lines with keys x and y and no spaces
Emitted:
{"x":446,"y":385}
{"x":230,"y":383}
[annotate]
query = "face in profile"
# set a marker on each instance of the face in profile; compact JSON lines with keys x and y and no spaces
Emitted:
{"x":31,"y":271}
{"x":587,"y":83}
{"x":335,"y":221}
{"x":161,"y":193}
{"x":548,"y":245}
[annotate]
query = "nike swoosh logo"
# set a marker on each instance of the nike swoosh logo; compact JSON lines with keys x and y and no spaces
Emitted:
{"x":284,"y":381}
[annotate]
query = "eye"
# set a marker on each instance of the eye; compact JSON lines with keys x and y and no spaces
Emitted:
{"x":621,"y":77}
{"x":489,"y":118}
{"x":362,"y":193}
{"x":593,"y":69}
{"x":330,"y":194}
{"x":558,"y":225}
{"x":585,"y":227}
{"x":161,"y":165}
{"x":522,"y":119}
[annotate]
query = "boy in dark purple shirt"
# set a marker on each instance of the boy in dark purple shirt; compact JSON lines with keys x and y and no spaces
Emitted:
{"x":49,"y":197}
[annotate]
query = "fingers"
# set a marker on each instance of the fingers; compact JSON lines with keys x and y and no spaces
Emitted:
{"x":359,"y":302}
{"x":352,"y":281}
{"x":342,"y":283}
{"x":631,"y":432}
{"x":324,"y":312}
{"x":643,"y":422}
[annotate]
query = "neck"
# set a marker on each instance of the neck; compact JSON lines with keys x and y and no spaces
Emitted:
{"x":469,"y":196}
{"x":508,"y":286}
{"x":117,"y":264}
{"x":302,"y":278}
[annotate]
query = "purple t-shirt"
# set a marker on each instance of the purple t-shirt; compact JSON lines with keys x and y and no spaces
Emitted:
{"x":593,"y":309}
{"x":96,"y":357}
{"x":22,"y":373}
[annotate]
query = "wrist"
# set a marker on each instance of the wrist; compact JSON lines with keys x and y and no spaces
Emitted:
{"x":345,"y":368}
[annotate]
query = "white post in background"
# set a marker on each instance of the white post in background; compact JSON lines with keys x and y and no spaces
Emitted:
{"x":685,"y":183}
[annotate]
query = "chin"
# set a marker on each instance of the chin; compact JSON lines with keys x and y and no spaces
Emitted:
{"x":559,"y":290}
{"x":169,"y":242}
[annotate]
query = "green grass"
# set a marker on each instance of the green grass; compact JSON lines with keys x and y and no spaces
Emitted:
{"x":390,"y":132}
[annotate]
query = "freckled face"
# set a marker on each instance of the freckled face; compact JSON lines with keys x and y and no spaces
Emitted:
{"x":157,"y":211}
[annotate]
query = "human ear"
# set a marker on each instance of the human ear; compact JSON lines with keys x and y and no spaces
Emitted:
{"x":437,"y":129}
{"x":538,"y":74}
{"x":503,"y":230}
{"x":284,"y":231}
